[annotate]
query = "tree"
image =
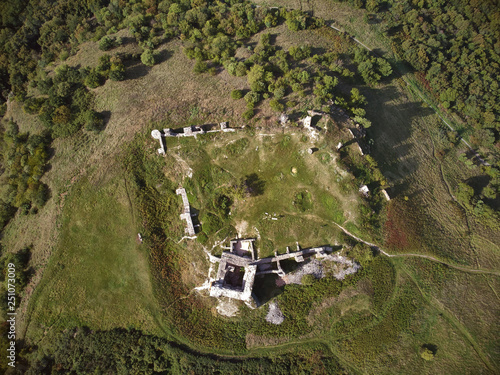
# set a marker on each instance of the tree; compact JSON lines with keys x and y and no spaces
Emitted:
{"x":464,"y":193}
{"x":384,"y":67}
{"x":300,"y":53}
{"x":117,"y":70}
{"x":276,"y":105}
{"x":357,"y":98}
{"x":106,"y":43}
{"x":62,"y":115}
{"x":372,"y":6}
{"x":252,"y":98}
{"x":255,"y":78}
{"x":279,"y":92}
{"x":93,"y":79}
{"x":148,"y":57}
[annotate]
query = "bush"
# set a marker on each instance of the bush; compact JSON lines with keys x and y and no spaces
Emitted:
{"x":92,"y":120}
{"x":148,"y":58}
{"x":248,"y":114}
{"x":252,"y":98}
{"x":106,"y":43}
{"x":276,"y":105}
{"x":307,"y":279}
{"x":236,"y":94}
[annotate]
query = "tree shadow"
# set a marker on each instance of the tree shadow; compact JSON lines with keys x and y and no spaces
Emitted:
{"x":163,"y":56}
{"x":478,"y":183}
{"x":105,"y":115}
{"x":135,"y":70}
{"x":433,"y":348}
{"x":127,"y":40}
{"x":378,"y":52}
{"x":254,"y":185}
{"x":317,"y":50}
{"x":392,"y":128}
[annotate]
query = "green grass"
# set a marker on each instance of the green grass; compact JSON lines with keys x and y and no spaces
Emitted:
{"x":98,"y":275}
{"x":287,"y":198}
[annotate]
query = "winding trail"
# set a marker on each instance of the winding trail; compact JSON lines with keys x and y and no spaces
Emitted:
{"x":372,"y":245}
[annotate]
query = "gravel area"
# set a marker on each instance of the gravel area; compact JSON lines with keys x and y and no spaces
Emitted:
{"x":340,"y":268}
{"x":227,"y":307}
{"x":274,"y":316}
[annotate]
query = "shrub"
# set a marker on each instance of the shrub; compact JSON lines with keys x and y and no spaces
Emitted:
{"x":307,"y":279}
{"x":248,"y":114}
{"x":148,"y":58}
{"x":276,"y":105}
{"x":237,"y":148}
{"x":210,"y":223}
{"x":200,"y":67}
{"x":202,"y":238}
{"x":303,"y":201}
{"x":106,"y":43}
{"x":252,"y":98}
{"x":236,"y":94}
{"x":64,"y":55}
{"x":92,"y":120}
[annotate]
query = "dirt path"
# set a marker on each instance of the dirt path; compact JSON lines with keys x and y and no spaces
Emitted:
{"x":453,"y":320}
{"x":465,"y":269}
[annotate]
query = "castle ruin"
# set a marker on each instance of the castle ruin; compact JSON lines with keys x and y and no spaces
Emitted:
{"x":239,"y":266}
{"x":186,"y":215}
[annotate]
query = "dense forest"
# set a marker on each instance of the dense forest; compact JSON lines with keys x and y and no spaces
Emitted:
{"x":81,"y":351}
{"x":454,"y":50}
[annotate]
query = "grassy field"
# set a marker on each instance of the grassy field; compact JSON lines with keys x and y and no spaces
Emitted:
{"x":98,"y":275}
{"x":296,"y":195}
{"x":414,"y":153}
